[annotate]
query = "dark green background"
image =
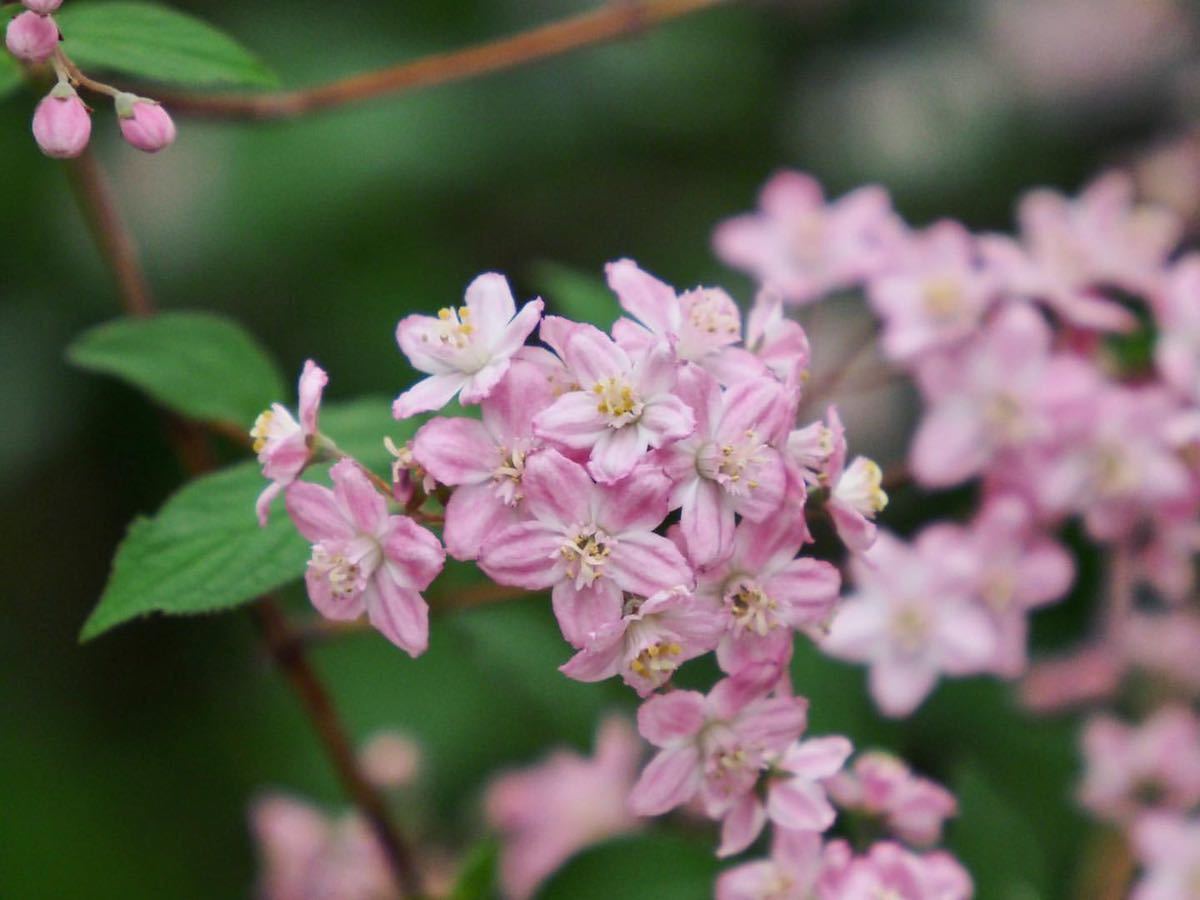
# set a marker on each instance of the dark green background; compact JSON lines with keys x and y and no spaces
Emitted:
{"x":126,"y":764}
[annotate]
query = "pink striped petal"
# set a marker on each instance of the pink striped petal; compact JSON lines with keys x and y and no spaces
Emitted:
{"x":524,"y":555}
{"x":366,"y":507}
{"x":474,"y":514}
{"x":643,"y":563}
{"x":636,"y":503}
{"x":582,"y":612}
{"x":316,"y":513}
{"x":668,"y":718}
{"x":642,"y":295}
{"x":414,"y":555}
{"x":490,"y":300}
{"x":671,"y":779}
{"x":400,"y":614}
{"x":428,"y":395}
{"x":557,"y":490}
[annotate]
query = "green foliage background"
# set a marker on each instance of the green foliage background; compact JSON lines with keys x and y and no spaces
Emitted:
{"x":126,"y":764}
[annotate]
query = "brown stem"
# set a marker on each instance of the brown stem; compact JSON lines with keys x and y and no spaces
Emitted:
{"x":824,"y":389}
{"x":290,"y":657}
{"x":615,"y":20}
{"x":114,"y":240}
{"x":119,"y":251}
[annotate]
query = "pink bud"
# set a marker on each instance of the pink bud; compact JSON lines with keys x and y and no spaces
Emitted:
{"x":32,"y":37}
{"x":42,"y":7}
{"x":61,"y":123}
{"x":144,"y":123}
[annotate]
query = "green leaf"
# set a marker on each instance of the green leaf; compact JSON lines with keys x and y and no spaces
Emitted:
{"x":577,"y":295}
{"x":648,"y":867}
{"x":202,"y":552}
{"x":477,"y":876}
{"x":198,"y":364}
{"x":12,"y":76}
{"x":158,"y":43}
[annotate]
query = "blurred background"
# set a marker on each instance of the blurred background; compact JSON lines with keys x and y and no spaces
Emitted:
{"x":126,"y":765}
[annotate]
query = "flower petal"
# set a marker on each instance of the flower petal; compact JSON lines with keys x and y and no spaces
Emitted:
{"x":524,"y":555}
{"x":557,"y":490}
{"x":456,"y":451}
{"x":643,"y":563}
{"x":366,"y":507}
{"x":427,"y":395}
{"x":400,"y":614}
{"x":316,"y":513}
{"x":414,"y":555}
{"x":671,"y":779}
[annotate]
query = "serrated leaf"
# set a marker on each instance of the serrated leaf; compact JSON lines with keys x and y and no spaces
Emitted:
{"x":645,"y":867}
{"x":202,"y":552}
{"x":157,"y":43}
{"x":198,"y":364}
{"x":577,"y":295}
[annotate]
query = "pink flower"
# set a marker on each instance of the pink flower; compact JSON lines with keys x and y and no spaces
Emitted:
{"x":1168,"y":847}
{"x":622,"y":406}
{"x":804,"y":248}
{"x":763,"y":592}
{"x":790,"y":874}
{"x":1083,"y":676}
{"x":778,"y":342}
{"x":285,"y":446}
{"x":1133,"y":769}
{"x":714,"y":746}
{"x":305,"y":855}
{"x":888,"y":870}
{"x":1000,"y":392}
{"x":588,"y":542}
{"x":882,"y":785}
{"x":144,"y":123}
{"x":32,"y":37}
{"x":698,"y":324}
{"x":935,"y":294}
{"x":1073,"y":252}
{"x":728,"y":465}
{"x":911,"y":619}
{"x":364,"y":559}
{"x":391,"y":759}
{"x":62,"y":125}
{"x":856,"y":492}
{"x":1178,"y":313}
{"x":649,"y":642}
{"x":484,"y":460}
{"x":42,"y":7}
{"x":465,"y":351}
{"x":795,"y":794}
{"x":549,"y":811}
{"x":1011,"y":569}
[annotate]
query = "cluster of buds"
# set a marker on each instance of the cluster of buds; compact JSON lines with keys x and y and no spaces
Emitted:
{"x":62,"y":122}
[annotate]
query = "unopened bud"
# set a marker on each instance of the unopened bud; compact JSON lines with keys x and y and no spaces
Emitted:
{"x":42,"y":7}
{"x":31,"y":37}
{"x":144,"y":123}
{"x":62,"y":125}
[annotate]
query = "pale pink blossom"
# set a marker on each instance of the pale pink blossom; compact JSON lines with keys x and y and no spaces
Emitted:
{"x":882,"y":785}
{"x":364,"y":560}
{"x":934,"y":295}
{"x":484,"y":459}
{"x":1131,"y":769}
{"x":1177,"y":351}
{"x":796,"y":799}
{"x":464,"y":351}
{"x":890,"y":871}
{"x":910,"y":619}
{"x":764,"y":592}
{"x":699,"y":324}
{"x":1168,"y":847}
{"x":551,"y":810}
{"x":649,"y":642}
{"x":1073,"y":252}
{"x":1002,"y":391}
{"x":805,"y":248}
{"x":587,"y":542}
{"x":856,"y":492}
{"x":306,"y":855}
{"x":713,"y":746}
{"x":790,"y":873}
{"x":729,"y":465}
{"x":623,"y":405}
{"x":285,"y":446}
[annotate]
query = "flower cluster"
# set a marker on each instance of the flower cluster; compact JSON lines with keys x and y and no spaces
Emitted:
{"x":655,"y":480}
{"x":1059,"y":369}
{"x":62,"y":122}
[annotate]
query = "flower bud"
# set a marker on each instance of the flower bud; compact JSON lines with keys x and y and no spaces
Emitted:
{"x":32,"y":37}
{"x":42,"y":7}
{"x":144,"y":123}
{"x":61,"y":123}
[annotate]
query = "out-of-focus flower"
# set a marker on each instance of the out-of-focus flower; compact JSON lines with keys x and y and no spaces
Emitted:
{"x":391,"y":759}
{"x":882,"y":785}
{"x":1168,"y":847}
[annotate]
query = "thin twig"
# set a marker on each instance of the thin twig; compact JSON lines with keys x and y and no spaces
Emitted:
{"x":825,"y":388}
{"x":119,"y":251}
{"x":290,"y":657}
{"x":612,"y":21}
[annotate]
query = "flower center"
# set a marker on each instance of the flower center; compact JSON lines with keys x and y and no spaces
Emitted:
{"x":998,"y":590}
{"x":585,"y":552}
{"x":1113,"y":473}
{"x":272,"y":426}
{"x":506,"y":477}
{"x":806,"y":245}
{"x":727,"y":463}
{"x":861,"y":486}
{"x":616,"y":399}
{"x":942,"y":297}
{"x":346,"y":566}
{"x":710,"y":314}
{"x":750,"y":608}
{"x":660,"y":658}
{"x":454,"y":328}
{"x":1004,"y":413}
{"x":909,"y":627}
